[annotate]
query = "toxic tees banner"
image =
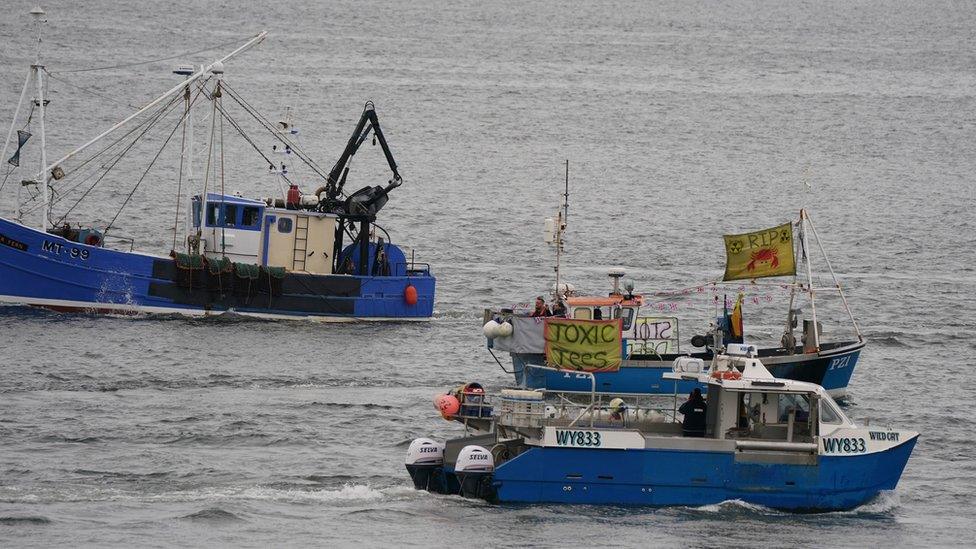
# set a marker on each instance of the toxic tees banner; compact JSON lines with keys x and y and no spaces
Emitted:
{"x":760,"y":254}
{"x":583,"y":345}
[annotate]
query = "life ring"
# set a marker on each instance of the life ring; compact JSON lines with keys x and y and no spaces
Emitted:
{"x":729,"y":375}
{"x":92,"y":239}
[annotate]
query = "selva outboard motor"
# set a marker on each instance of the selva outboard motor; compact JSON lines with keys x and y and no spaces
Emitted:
{"x":425,"y":462}
{"x":474,"y":468}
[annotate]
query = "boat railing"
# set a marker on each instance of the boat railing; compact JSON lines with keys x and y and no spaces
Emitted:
{"x":415,"y":268}
{"x":131,"y":242}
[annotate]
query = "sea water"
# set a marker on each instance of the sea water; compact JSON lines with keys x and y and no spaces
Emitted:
{"x":682,"y":121}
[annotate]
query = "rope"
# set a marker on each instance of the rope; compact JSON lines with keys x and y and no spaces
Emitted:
{"x":179,"y":185}
{"x":91,"y":91}
{"x":140,"y":63}
{"x":268,"y":125}
{"x":130,"y":132}
{"x":145,"y":173}
{"x":246,"y":137}
{"x":158,"y":116}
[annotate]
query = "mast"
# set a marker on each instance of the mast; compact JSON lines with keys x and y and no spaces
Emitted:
{"x":561,"y":216}
{"x":38,"y":69}
{"x":810,"y":289}
{"x":837,"y":285}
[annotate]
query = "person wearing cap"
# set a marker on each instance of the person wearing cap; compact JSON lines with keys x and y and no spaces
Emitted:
{"x":541,"y":309}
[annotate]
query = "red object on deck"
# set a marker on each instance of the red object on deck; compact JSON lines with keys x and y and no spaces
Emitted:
{"x":410,"y":294}
{"x":294,"y":197}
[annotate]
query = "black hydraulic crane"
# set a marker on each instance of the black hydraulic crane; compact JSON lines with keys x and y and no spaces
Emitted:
{"x":359,"y":208}
{"x":368,"y":200}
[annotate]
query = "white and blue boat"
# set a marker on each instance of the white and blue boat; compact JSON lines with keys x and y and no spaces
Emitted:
{"x":318,"y":255}
{"x":780,"y":443}
{"x":650,"y":344}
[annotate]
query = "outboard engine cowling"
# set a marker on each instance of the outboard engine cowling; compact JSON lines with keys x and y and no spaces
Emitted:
{"x":474,"y":469}
{"x":425,"y":461}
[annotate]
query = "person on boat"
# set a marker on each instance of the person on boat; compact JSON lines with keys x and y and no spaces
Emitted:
{"x":597,"y":313}
{"x":541,"y":309}
{"x":693,"y":409}
{"x":559,"y":309}
{"x":348,"y":267}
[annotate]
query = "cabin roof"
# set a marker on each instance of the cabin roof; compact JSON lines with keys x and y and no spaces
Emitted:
{"x":599,"y":301}
{"x":231,"y":199}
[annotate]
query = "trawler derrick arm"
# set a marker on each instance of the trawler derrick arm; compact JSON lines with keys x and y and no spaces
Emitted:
{"x":369,"y":200}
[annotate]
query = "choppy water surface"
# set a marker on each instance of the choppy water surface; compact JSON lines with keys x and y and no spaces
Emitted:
{"x":682,"y":120}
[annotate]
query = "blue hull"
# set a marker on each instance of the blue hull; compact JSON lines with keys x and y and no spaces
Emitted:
{"x":50,"y":271}
{"x":677,"y":477}
{"x":831,"y":369}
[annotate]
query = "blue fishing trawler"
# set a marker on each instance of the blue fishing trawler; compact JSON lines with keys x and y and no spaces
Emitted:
{"x":775,"y":442}
{"x":313,"y":251}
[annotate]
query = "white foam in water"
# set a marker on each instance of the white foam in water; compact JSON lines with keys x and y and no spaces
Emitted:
{"x":737,"y":504}
{"x":884,"y":502}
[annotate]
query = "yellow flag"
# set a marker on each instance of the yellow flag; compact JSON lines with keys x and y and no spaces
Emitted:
{"x":760,"y":254}
{"x":583,"y":345}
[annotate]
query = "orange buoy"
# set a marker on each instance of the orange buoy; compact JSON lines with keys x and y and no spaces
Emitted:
{"x":410,"y":294}
{"x":447,"y":404}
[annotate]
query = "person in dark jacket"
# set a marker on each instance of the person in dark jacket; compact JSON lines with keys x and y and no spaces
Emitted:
{"x":541,"y":309}
{"x":693,"y":409}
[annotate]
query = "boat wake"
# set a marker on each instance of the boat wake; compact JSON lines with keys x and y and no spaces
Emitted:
{"x":884,"y":503}
{"x":738,"y":506}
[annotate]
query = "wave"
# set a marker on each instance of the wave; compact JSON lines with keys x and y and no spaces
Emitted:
{"x":73,"y":440}
{"x":299,"y":494}
{"x":346,"y":405}
{"x":213,"y":514}
{"x":888,"y":341}
{"x":33,"y":519}
{"x":347,"y":493}
{"x":881,"y":504}
{"x":737,"y":506}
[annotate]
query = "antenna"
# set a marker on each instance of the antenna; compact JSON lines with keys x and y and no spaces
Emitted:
{"x":555,"y":227}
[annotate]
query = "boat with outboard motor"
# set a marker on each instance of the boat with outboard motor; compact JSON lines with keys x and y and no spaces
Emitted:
{"x":779,"y":443}
{"x":319,"y":255}
{"x":651,"y":343}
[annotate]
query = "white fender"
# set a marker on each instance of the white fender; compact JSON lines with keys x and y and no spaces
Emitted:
{"x":491,"y":329}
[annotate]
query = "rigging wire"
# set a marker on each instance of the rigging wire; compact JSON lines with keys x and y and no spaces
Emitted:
{"x":268,"y":125}
{"x":108,"y":164}
{"x":150,"y":61}
{"x":240,"y":130}
{"x":145,"y":173}
{"x":128,"y":133}
{"x":160,"y":114}
{"x":115,"y":157}
{"x":11,"y":167}
{"x":183,"y":153}
{"x":89,"y":90}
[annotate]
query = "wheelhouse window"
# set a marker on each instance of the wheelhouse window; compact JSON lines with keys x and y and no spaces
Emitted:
{"x":251,"y":217}
{"x":230,"y":215}
{"x":582,"y":313}
{"x":197,"y":212}
{"x":797,"y":403}
{"x":284,"y":225}
{"x":627,"y":314}
{"x":212,"y":211}
{"x":828,"y":414}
